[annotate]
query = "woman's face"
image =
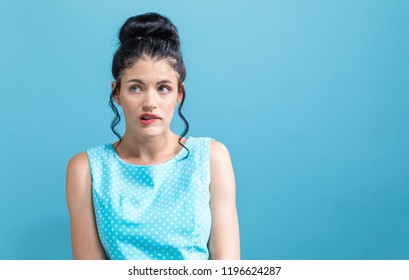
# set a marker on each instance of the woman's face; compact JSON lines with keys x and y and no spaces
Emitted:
{"x":148,"y":95}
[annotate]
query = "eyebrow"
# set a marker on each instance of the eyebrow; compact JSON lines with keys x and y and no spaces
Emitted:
{"x":142,"y":83}
{"x":136,"y":81}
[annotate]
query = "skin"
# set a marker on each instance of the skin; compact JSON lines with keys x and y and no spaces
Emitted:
{"x":152,"y":86}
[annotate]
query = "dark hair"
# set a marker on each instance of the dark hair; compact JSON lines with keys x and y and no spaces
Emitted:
{"x":154,"y":36}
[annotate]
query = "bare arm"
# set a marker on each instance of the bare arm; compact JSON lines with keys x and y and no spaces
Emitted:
{"x":224,"y":242}
{"x":84,"y":236}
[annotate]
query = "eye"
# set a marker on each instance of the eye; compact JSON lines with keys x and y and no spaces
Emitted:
{"x":135,"y":88}
{"x":164,"y":89}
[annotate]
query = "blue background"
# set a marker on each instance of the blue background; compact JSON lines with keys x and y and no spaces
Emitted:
{"x":310,"y":97}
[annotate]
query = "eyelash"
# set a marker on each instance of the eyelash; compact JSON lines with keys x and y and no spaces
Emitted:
{"x":166,"y":87}
{"x":134,"y":87}
{"x":160,"y":89}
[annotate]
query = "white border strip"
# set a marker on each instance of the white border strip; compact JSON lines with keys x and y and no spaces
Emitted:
{"x":263,"y":269}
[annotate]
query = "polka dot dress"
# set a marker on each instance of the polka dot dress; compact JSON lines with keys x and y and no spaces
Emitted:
{"x":154,"y":212}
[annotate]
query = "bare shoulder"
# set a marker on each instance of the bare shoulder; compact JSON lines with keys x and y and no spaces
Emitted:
{"x":218,"y":151}
{"x":78,"y":173}
{"x":221,"y":169}
{"x":79,"y":161}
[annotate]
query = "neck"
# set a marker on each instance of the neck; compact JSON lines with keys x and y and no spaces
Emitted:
{"x":148,"y":150}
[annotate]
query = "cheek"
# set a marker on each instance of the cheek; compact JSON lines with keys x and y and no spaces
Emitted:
{"x":172,"y":105}
{"x":128,"y":109}
{"x":168,"y":104}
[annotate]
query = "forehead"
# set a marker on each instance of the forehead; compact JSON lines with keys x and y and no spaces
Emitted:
{"x":148,"y":69}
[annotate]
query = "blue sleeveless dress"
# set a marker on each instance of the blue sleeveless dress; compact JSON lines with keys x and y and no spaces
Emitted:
{"x":153,"y":212}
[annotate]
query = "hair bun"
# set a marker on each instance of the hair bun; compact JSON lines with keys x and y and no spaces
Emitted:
{"x":148,"y":25}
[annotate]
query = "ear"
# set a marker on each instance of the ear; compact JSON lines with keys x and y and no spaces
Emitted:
{"x":180,"y":93}
{"x":116,"y":93}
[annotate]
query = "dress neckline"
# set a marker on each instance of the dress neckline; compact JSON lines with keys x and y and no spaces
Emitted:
{"x":175,"y":157}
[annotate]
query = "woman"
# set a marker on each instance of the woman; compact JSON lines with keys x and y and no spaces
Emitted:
{"x":153,"y":194}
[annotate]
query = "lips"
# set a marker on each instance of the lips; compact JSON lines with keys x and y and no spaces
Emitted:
{"x":147,"y":118}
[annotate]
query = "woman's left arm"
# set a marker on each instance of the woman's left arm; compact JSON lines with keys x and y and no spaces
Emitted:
{"x":224,"y":242}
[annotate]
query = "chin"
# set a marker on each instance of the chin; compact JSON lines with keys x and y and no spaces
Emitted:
{"x":152,"y":132}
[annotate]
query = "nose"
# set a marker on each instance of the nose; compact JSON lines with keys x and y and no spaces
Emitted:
{"x":149,"y":103}
{"x":148,"y":108}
